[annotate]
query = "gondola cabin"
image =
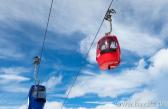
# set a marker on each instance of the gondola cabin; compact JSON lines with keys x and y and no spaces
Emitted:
{"x":108,"y":52}
{"x":37,"y":97}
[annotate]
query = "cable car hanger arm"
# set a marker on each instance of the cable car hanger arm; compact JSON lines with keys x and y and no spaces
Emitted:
{"x":108,"y":17}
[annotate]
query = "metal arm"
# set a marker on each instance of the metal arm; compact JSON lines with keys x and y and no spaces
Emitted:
{"x":36,"y":65}
{"x":108,"y":17}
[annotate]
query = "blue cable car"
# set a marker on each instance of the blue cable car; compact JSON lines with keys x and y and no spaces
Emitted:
{"x":37,"y":97}
{"x":37,"y":93}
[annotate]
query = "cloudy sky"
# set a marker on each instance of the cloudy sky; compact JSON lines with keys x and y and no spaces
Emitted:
{"x":141,"y":27}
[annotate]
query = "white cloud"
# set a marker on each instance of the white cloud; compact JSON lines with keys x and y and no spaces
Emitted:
{"x":15,"y":88}
{"x":14,"y":70}
{"x":8,"y":74}
{"x":67,"y":17}
{"x":159,"y":87}
{"x":53,"y":81}
{"x":107,"y":106}
{"x":31,"y":12}
{"x":159,"y":69}
{"x":159,"y":64}
{"x":9,"y":53}
{"x":23,"y":107}
{"x":14,"y":78}
{"x":11,"y":78}
{"x":48,"y":105}
{"x":59,"y":66}
{"x":110,"y":85}
{"x":140,"y":99}
{"x":8,"y":107}
{"x":126,"y":81}
{"x":137,"y":41}
{"x":7,"y":50}
{"x":52,"y":105}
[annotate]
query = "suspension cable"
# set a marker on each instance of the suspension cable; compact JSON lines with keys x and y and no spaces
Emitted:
{"x":46,"y":30}
{"x":86,"y":55}
{"x":45,"y":35}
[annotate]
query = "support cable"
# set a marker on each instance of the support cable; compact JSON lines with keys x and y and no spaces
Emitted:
{"x":44,"y":39}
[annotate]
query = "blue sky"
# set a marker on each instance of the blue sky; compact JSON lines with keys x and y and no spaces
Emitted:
{"x":141,"y":27}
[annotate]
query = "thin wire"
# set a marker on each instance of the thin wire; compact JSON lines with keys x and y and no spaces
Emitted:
{"x":46,"y":30}
{"x":45,"y":34}
{"x":86,"y":55}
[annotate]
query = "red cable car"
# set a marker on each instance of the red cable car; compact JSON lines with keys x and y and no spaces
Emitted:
{"x":108,"y":52}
